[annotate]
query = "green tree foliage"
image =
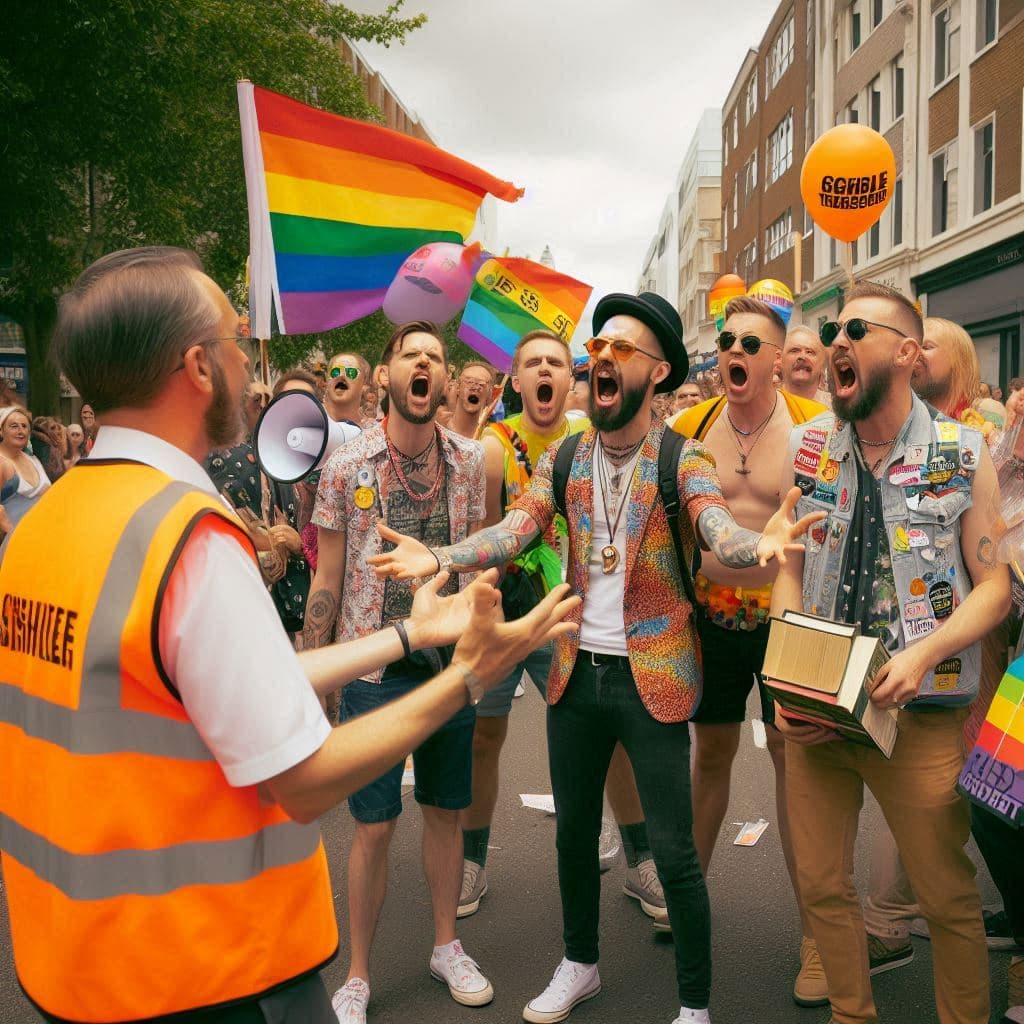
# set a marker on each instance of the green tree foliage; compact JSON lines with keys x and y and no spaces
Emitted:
{"x":119,"y":126}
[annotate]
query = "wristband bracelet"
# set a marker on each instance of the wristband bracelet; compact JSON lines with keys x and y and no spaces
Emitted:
{"x":403,"y":636}
{"x":474,"y":684}
{"x":437,"y":558}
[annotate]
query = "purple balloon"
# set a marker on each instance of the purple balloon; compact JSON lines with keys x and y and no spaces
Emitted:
{"x":433,"y":284}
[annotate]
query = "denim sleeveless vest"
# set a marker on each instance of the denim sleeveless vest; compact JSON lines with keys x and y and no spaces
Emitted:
{"x":925,"y":489}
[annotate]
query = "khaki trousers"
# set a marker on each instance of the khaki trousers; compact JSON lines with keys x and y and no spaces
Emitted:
{"x":916,"y":790}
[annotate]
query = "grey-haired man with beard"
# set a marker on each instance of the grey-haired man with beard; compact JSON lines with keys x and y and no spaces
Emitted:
{"x":907,"y":553}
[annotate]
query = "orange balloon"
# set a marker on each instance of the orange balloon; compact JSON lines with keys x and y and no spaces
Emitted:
{"x":847,"y":180}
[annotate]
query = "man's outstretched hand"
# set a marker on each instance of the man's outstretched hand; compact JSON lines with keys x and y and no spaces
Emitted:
{"x":409,"y":560}
{"x":490,"y":647}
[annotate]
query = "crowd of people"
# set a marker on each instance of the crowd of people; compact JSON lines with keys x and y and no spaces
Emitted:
{"x":302,"y":638}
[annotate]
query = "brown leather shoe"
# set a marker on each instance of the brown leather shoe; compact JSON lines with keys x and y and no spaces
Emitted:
{"x":810,"y":988}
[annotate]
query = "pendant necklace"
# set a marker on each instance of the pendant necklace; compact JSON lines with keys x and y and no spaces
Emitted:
{"x":759,"y":430}
{"x":610,"y":553}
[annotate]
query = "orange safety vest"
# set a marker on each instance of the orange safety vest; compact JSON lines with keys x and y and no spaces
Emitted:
{"x":139,"y":882}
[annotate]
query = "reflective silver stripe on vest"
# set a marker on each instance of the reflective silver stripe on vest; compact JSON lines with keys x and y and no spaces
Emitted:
{"x":101,"y":665}
{"x":101,"y":876}
{"x":106,"y":731}
{"x":99,"y":725}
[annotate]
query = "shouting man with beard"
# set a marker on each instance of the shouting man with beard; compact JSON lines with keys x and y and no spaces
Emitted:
{"x":632,"y":675}
{"x":542,"y":376}
{"x":423,"y":480}
{"x":907,"y":553}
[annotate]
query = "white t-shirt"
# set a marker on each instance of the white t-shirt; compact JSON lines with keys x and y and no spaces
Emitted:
{"x":221,"y":641}
{"x":603,"y":629}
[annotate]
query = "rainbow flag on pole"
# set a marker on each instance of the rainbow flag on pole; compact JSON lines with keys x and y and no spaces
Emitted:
{"x":511,"y":297}
{"x":993,"y":775}
{"x":336,"y":206}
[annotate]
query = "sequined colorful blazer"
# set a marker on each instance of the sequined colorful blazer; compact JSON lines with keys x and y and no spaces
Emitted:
{"x":657,"y":617}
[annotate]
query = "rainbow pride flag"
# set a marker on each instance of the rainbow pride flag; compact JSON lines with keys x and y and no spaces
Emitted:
{"x":513,"y":296}
{"x":993,"y":775}
{"x":336,"y":206}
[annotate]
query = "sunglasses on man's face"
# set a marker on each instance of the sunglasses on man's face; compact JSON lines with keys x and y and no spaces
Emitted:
{"x":856,"y":328}
{"x":621,"y":348}
{"x":750,"y":343}
{"x":350,"y":371}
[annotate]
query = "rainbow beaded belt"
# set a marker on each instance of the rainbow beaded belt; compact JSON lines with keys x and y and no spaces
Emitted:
{"x":733,"y":607}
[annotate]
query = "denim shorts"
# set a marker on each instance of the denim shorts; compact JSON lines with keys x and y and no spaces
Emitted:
{"x":537,"y":665}
{"x":443,"y":763}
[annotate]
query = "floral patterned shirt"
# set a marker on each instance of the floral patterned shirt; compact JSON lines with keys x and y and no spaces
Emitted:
{"x":362,"y":465}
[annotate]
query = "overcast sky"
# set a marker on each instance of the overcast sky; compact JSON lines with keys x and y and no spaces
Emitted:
{"x":588,"y":104}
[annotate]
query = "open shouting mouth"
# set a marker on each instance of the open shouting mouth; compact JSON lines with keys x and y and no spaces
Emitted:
{"x":844,"y":375}
{"x":605,"y":386}
{"x":420,"y":386}
{"x":737,"y":375}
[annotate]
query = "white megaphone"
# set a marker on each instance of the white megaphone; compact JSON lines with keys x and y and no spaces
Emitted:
{"x":294,"y":436}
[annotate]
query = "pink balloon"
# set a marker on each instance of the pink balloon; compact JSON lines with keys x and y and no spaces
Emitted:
{"x":433,"y":284}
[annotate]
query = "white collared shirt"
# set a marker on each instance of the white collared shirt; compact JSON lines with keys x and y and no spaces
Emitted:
{"x":221,"y":640}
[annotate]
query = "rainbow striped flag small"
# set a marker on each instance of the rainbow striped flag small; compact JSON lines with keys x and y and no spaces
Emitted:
{"x":993,"y":775}
{"x":512,"y":297}
{"x":336,"y":206}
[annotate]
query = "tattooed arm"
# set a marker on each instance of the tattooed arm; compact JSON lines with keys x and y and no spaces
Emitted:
{"x":325,"y":589}
{"x":494,"y":546}
{"x":732,"y":544}
{"x":738,"y":547}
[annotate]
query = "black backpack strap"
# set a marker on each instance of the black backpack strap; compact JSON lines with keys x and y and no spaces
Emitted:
{"x":702,"y":427}
{"x":560,"y":473}
{"x":668,"y":485}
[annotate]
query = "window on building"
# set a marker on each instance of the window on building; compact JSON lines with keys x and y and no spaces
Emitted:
{"x":877,"y":8}
{"x":897,"y":213}
{"x":808,"y":222}
{"x":780,"y":56}
{"x":874,"y":239}
{"x":946,"y":41}
{"x":750,"y":101}
{"x":735,"y":127}
{"x":875,"y":104}
{"x":779,"y":150}
{"x":984,"y":166}
{"x":833,"y":253}
{"x":852,"y":113}
{"x":725,"y":146}
{"x":777,"y":236}
{"x":855,"y":25}
{"x":944,"y":197}
{"x":725,"y":229}
{"x":735,"y":213}
{"x":986,"y":24}
{"x":749,"y":177}
{"x":701,"y":310}
{"x":897,"y":87}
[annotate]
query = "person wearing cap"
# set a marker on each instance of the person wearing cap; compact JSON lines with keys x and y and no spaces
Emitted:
{"x":633,"y":674}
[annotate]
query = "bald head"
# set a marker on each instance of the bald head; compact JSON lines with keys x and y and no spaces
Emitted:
{"x":803,"y":361}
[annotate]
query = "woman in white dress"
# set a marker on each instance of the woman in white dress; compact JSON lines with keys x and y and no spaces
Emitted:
{"x":32,"y":481}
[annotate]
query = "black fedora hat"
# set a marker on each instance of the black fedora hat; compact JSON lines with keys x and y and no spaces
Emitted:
{"x":660,"y":316}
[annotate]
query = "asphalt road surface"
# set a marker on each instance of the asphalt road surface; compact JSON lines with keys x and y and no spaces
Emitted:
{"x":516,"y":934}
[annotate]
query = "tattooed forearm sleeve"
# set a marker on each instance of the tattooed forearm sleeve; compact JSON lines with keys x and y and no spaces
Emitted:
{"x":732,"y":545}
{"x":495,"y":545}
{"x":320,"y":620}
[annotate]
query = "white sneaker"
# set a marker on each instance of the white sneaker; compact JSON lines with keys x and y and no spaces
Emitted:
{"x":687,"y":1016}
{"x":350,"y":1001}
{"x":571,"y":985}
{"x":451,"y":965}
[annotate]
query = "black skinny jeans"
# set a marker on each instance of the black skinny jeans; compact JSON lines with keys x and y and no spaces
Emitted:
{"x":601,"y":705}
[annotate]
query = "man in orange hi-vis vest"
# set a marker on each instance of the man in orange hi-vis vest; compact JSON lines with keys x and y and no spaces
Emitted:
{"x":162,"y":748}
